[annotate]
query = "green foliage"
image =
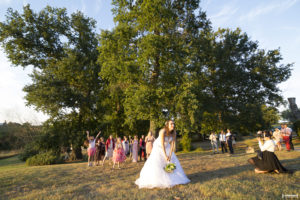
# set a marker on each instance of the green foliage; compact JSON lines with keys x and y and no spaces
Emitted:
{"x":288,"y":115}
{"x":63,"y":51}
{"x":296,"y":126}
{"x":147,"y":57}
{"x":50,"y":138}
{"x":186,"y":142}
{"x":46,"y":158}
{"x":16,"y":136}
{"x":211,"y":122}
{"x":30,"y":150}
{"x":162,"y":60}
{"x":255,"y":117}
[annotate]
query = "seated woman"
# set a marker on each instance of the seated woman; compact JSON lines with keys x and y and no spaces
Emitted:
{"x":269,"y":161}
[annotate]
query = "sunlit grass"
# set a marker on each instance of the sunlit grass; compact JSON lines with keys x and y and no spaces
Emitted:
{"x":218,"y":176}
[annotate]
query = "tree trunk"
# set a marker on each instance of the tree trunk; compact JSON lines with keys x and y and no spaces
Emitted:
{"x":76,"y":146}
{"x":153,"y":128}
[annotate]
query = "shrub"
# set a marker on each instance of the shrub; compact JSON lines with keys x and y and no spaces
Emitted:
{"x":186,"y":142}
{"x":30,"y":150}
{"x":46,"y":158}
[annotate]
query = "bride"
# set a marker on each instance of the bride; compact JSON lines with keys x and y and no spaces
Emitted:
{"x":153,"y":174}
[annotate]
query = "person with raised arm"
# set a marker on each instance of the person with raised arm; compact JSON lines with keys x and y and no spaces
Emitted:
{"x":92,"y":147}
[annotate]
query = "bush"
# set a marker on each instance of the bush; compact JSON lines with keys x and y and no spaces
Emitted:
{"x":30,"y":150}
{"x":46,"y":158}
{"x":186,"y":142}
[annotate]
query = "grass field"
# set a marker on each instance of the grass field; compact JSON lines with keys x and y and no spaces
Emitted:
{"x":218,"y":176}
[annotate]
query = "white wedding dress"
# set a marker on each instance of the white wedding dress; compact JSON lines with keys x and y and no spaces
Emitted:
{"x":153,"y":174}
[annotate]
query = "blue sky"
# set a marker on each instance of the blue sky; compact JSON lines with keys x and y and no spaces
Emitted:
{"x":273,"y":23}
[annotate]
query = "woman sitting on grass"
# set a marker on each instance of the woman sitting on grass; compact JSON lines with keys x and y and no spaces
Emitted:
{"x":269,"y":161}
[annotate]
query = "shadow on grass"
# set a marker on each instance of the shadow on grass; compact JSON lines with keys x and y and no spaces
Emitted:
{"x":203,"y":176}
{"x":12,"y":160}
{"x":4,"y":157}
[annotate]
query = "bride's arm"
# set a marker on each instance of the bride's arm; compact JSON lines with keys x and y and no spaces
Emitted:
{"x":172,"y":145}
{"x":162,"y":140}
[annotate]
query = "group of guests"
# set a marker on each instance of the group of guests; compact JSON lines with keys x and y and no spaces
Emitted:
{"x":284,"y":135}
{"x":266,"y":160}
{"x":117,"y":149}
{"x":226,"y":140}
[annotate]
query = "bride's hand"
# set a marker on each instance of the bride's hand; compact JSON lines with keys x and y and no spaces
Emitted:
{"x":167,"y":158}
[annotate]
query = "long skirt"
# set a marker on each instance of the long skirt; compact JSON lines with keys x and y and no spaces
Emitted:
{"x":100,"y":153}
{"x":134,"y":153}
{"x":286,"y":140}
{"x":269,"y":162}
{"x":109,"y":153}
{"x":119,"y":155}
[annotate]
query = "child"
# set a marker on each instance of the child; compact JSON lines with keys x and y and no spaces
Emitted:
{"x":91,"y":150}
{"x":100,"y":150}
{"x":119,"y":154}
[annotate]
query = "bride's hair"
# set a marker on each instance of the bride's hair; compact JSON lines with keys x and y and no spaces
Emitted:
{"x":168,"y":132}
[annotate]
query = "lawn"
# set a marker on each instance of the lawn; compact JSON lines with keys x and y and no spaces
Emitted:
{"x":218,"y":176}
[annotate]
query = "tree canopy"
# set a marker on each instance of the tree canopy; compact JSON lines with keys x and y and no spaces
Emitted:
{"x":162,"y":60}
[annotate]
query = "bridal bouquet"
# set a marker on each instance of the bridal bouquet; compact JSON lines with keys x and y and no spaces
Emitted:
{"x":170,"y":167}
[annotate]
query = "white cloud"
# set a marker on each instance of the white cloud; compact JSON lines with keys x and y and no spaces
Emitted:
{"x":12,"y":102}
{"x":264,"y":9}
{"x":225,"y":14}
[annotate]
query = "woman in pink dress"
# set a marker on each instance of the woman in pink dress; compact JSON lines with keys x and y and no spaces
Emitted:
{"x":119,"y":154}
{"x":135,"y":146}
{"x":149,"y":143}
{"x":92,"y":147}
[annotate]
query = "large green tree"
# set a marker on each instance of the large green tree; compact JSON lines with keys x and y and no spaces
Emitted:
{"x":162,"y":60}
{"x":63,"y":51}
{"x":237,"y":79}
{"x":146,"y":59}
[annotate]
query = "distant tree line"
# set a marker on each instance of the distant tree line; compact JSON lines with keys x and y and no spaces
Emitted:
{"x":162,"y":60}
{"x":15,"y":136}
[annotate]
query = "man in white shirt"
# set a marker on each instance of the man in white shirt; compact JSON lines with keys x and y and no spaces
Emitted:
{"x":229,"y":141}
{"x":222,"y":139}
{"x":214,"y":142}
